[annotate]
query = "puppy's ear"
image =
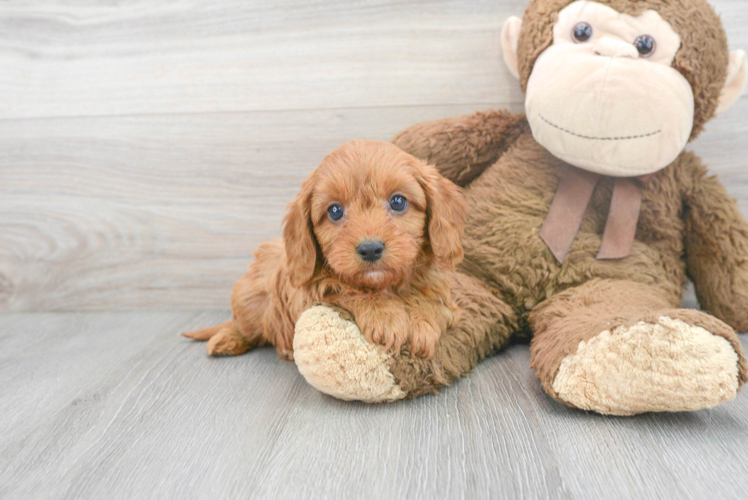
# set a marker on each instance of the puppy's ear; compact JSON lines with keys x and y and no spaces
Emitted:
{"x":298,"y":237}
{"x":446,"y":216}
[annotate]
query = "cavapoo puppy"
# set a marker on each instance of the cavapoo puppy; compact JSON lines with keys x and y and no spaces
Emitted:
{"x":375,"y":231}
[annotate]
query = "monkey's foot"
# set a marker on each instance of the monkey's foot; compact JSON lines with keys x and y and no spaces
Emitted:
{"x":661,"y":364}
{"x":336,"y":359}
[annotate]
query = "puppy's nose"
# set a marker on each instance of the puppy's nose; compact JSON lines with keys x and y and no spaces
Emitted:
{"x":370,"y":251}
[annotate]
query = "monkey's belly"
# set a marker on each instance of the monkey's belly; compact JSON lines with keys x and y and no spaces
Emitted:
{"x":507,"y":207}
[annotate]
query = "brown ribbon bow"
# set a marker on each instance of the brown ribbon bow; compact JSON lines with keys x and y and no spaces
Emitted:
{"x":570,"y":204}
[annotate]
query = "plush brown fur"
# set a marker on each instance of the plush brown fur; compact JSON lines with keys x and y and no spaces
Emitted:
{"x":688,"y":227}
{"x":401,"y":300}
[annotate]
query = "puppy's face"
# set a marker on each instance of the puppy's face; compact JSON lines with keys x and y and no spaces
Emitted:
{"x":372,"y":210}
{"x":369,"y":217}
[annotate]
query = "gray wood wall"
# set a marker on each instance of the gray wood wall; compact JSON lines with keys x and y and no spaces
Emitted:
{"x":147,"y":147}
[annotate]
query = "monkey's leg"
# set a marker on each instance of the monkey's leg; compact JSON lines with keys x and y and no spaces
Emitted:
{"x":336,"y":359}
{"x":619,"y":347}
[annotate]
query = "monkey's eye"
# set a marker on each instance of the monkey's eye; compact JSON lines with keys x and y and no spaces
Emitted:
{"x":335,"y":212}
{"x":646,"y":45}
{"x":398,"y":203}
{"x":582,"y":32}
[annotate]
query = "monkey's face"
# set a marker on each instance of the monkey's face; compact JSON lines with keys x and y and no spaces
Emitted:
{"x":604,"y":96}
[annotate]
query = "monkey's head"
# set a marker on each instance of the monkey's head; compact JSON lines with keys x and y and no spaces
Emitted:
{"x":619,"y":87}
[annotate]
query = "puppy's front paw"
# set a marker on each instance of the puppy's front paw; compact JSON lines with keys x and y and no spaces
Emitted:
{"x":387,"y":328}
{"x":377,"y":334}
{"x":423,"y":339}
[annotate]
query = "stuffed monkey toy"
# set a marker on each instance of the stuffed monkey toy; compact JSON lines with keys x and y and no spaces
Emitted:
{"x":586,"y":217}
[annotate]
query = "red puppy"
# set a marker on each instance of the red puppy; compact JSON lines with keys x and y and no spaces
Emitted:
{"x":374,"y":231}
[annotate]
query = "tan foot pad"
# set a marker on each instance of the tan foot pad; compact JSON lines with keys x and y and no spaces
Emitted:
{"x":336,"y":359}
{"x":669,"y":366}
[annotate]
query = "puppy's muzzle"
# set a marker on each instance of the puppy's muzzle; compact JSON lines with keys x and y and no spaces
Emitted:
{"x":370,"y":251}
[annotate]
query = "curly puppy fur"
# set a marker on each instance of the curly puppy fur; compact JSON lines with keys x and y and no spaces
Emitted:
{"x":400,"y":301}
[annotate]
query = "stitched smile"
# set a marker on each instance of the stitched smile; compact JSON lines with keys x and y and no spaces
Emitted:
{"x":622,"y":138}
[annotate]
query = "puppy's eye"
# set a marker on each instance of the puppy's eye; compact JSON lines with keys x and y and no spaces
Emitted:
{"x":335,"y":212}
{"x":398,"y":203}
{"x":582,"y":32}
{"x":646,"y":45}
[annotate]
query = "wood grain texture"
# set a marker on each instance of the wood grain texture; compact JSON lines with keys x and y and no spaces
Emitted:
{"x":156,"y":211}
{"x":164,"y":56}
{"x":115,"y":405}
{"x":146,"y":148}
{"x":94,"y":58}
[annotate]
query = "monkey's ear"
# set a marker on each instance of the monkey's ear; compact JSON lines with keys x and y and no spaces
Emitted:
{"x":509,"y":43}
{"x":737,"y":73}
{"x":298,"y":238}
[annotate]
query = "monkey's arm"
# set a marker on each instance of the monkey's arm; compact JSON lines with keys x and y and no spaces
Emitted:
{"x":462,"y":148}
{"x":716,"y":241}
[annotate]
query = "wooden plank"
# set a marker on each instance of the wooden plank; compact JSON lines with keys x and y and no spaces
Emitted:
{"x":59,"y":457}
{"x":92,"y":58}
{"x":471,"y":441}
{"x":48,"y":361}
{"x":648,"y":456}
{"x":186,"y":57}
{"x":156,"y":211}
{"x":115,"y":405}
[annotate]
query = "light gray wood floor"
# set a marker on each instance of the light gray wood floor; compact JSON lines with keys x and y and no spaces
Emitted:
{"x":116,"y":405}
